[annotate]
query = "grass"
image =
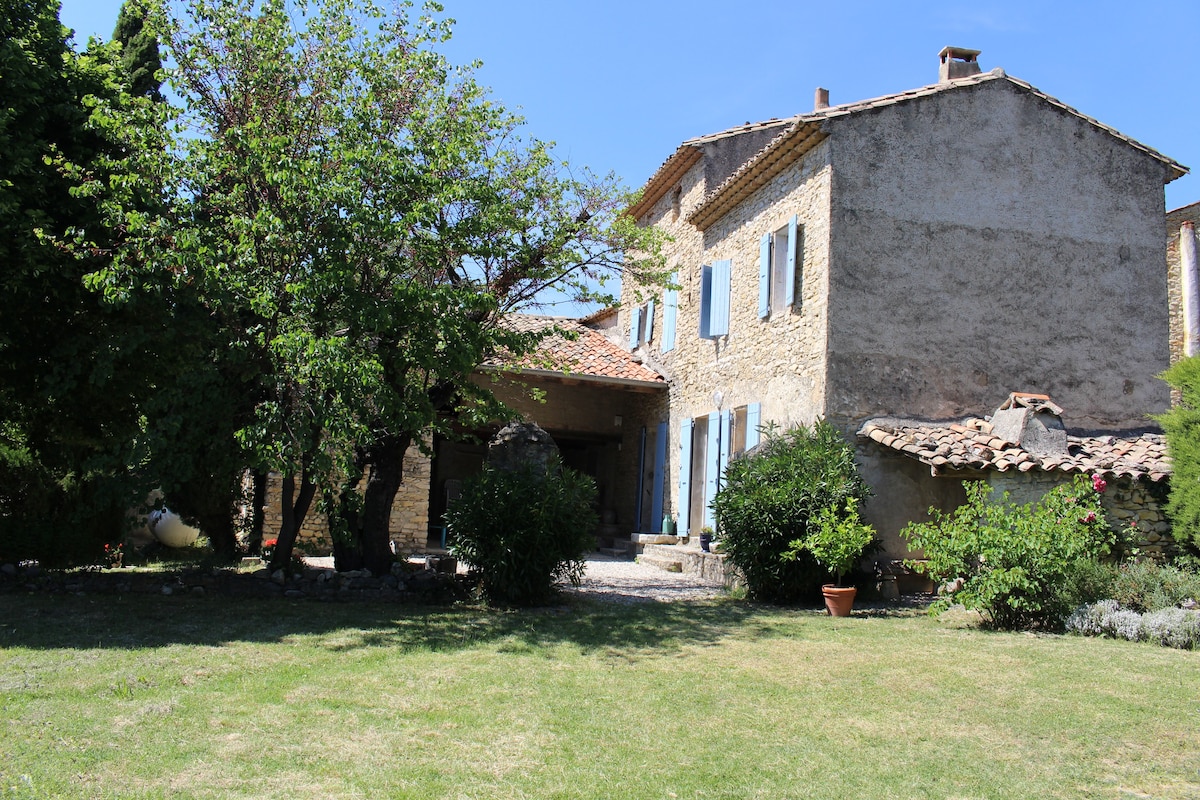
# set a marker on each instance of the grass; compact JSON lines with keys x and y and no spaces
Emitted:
{"x":185,"y":697}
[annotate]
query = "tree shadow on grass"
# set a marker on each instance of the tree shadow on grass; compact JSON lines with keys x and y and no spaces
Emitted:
{"x":42,"y":621}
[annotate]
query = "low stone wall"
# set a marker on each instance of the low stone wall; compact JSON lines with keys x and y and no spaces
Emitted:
{"x":1133,"y":508}
{"x":404,"y":584}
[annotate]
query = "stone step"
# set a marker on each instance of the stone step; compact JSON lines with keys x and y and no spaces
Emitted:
{"x":668,"y":564}
{"x":710,"y":567}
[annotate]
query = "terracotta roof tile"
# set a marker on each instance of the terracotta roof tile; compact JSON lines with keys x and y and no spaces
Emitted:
{"x":587,"y":353}
{"x":947,"y":446}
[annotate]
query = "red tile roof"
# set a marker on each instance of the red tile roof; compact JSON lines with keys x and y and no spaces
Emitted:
{"x":971,"y":445}
{"x":578,"y":351}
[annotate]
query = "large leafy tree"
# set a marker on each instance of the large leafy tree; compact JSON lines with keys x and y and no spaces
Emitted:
{"x":70,"y":363}
{"x":359,"y":216}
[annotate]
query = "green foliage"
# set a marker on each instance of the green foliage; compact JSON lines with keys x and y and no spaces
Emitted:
{"x":769,"y":500}
{"x":1013,"y":561}
{"x":836,"y":538}
{"x":1144,"y":585}
{"x":524,"y":530}
{"x":1182,"y":427}
{"x":139,"y":49}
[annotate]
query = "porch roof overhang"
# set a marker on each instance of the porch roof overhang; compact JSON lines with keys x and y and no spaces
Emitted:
{"x":627,"y":384}
{"x":970,"y":448}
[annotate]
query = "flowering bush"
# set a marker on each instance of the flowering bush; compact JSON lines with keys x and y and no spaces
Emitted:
{"x":1169,"y":627}
{"x":1011,"y":562}
{"x":114,"y":555}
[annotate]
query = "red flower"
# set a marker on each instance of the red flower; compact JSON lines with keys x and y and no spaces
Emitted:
{"x":1088,"y":517}
{"x":1099,"y":484}
{"x":270,"y":543}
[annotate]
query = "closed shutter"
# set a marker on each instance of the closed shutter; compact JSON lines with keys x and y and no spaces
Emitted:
{"x":635,"y":319}
{"x":649,"y":322}
{"x":684,"y":503}
{"x":660,"y":477}
{"x":753,"y":420}
{"x":726,"y":442}
{"x":712,"y":466}
{"x":721,"y":287}
{"x":706,"y":279}
{"x":670,"y":309}
{"x":792,"y":242}
{"x":764,"y":276}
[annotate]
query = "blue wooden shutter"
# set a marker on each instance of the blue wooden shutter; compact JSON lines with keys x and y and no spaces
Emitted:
{"x":721,"y":287}
{"x":635,"y":319}
{"x":641,"y":477}
{"x":726,"y":441}
{"x":764,"y":276}
{"x":789,"y":293}
{"x":670,"y":308}
{"x":753,"y":420}
{"x":712,"y":465}
{"x":706,"y":281}
{"x":660,"y":477}
{"x":649,"y":324}
{"x":684,"y":503}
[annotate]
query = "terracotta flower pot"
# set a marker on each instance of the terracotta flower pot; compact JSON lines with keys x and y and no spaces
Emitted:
{"x":838,"y":600}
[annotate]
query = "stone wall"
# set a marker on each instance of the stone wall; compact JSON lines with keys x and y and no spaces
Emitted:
{"x":778,"y":361}
{"x":410,"y":512}
{"x":983,"y":242}
{"x":1174,"y":275}
{"x":1133,"y":508}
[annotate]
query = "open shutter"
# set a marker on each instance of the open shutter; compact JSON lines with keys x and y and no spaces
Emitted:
{"x":712,"y":466}
{"x":684,"y":503}
{"x":706,"y":280}
{"x":635,"y":320}
{"x":721,"y":286}
{"x":764,"y":276}
{"x":726,"y":441}
{"x":637,"y":511}
{"x":753,"y":420}
{"x":649,"y":322}
{"x":660,"y":477}
{"x":670,"y":309}
{"x":789,"y":293}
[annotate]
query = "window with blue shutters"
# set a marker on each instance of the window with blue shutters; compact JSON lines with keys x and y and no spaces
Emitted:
{"x":641,"y":325}
{"x":779,"y":274}
{"x":670,"y":311}
{"x":715,"y":286}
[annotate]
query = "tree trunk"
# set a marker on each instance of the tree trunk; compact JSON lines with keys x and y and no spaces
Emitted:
{"x":383,"y":482}
{"x":258,"y":504}
{"x":293,"y":517}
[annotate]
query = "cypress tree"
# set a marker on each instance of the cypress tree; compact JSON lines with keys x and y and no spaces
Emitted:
{"x":139,"y":50}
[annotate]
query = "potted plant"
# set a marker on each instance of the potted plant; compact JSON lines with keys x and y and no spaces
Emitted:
{"x":837,"y":539}
{"x":706,"y":537}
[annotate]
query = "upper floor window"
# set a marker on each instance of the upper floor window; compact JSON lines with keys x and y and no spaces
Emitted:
{"x":641,"y":325}
{"x":779,"y":273}
{"x":715,"y":285}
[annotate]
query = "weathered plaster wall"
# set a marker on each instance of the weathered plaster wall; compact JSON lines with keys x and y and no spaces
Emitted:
{"x":903,"y":491}
{"x":985,"y":242}
{"x":1174,"y":274}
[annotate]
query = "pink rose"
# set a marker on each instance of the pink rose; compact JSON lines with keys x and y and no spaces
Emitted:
{"x":1088,"y":517}
{"x":1099,"y":484}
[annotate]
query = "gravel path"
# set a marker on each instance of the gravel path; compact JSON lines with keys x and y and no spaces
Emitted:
{"x":617,"y":580}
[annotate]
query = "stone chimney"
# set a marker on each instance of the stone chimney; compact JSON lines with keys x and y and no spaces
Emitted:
{"x":821,"y":99}
{"x":957,"y":62}
{"x":1032,"y":421}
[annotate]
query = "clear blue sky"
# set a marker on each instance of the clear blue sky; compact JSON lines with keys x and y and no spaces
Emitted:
{"x":618,"y":85}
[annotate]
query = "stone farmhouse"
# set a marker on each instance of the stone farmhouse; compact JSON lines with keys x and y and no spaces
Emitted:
{"x":967,"y":278}
{"x":904,"y":266}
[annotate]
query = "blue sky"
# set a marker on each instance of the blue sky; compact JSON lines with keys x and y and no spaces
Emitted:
{"x":618,"y":85}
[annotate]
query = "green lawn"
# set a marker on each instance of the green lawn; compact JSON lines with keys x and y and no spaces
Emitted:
{"x":200,"y":697}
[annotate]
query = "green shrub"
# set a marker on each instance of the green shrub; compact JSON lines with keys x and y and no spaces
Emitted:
{"x":524,"y":530}
{"x":1182,"y":427}
{"x":836,"y":538}
{"x":768,"y":500}
{"x":1012,"y":562}
{"x":1142,"y":585}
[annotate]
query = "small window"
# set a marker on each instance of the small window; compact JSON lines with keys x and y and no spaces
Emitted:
{"x":641,"y":325}
{"x":779,"y":269}
{"x":715,"y":289}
